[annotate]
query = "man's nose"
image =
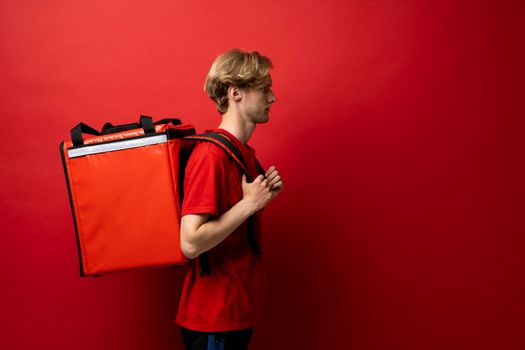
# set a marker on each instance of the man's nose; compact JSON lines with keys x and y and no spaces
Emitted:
{"x":273,"y":98}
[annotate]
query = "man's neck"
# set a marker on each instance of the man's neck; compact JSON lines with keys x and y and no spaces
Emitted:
{"x":237,"y":127}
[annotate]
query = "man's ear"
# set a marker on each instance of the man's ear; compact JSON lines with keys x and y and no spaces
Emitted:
{"x":234,"y":93}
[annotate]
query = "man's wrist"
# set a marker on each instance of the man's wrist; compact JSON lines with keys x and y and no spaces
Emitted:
{"x":248,"y":208}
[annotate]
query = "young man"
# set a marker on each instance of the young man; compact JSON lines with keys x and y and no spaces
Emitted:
{"x":219,"y":310}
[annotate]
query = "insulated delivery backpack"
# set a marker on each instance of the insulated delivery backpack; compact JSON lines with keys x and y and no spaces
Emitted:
{"x":125,"y":186}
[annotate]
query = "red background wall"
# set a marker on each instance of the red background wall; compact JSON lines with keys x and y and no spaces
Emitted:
{"x":398,"y":131}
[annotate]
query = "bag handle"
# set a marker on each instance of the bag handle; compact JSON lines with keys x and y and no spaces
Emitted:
{"x":173,"y":121}
{"x":145,"y":123}
{"x":78,"y":130}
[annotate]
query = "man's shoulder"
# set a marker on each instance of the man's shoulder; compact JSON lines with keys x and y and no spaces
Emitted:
{"x":209,"y":150}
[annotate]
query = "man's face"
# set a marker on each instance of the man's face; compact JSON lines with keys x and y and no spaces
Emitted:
{"x":257,"y":101}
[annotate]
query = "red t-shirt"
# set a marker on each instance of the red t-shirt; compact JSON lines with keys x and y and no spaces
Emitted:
{"x":231,"y":297}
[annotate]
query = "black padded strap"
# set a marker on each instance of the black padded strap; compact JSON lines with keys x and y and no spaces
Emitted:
{"x":227,"y":145}
{"x":204,"y":264}
{"x":260,"y":168}
{"x":251,"y":220}
{"x":256,"y":250}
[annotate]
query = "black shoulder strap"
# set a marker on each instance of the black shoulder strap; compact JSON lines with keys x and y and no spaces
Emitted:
{"x":260,"y":168}
{"x":227,"y":145}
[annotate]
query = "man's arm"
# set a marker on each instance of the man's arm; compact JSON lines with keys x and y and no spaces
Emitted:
{"x":199,"y":234}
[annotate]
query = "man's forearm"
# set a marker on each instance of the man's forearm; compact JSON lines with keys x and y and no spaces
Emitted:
{"x":215,"y":231}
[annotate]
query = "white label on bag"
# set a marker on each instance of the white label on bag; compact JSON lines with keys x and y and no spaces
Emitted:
{"x":116,"y":146}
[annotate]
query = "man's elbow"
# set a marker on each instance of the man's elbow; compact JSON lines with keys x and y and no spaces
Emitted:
{"x":189,"y":250}
{"x":188,"y":233}
{"x":187,"y":243}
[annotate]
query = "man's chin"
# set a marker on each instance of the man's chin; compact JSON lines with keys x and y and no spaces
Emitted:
{"x":263,"y":119}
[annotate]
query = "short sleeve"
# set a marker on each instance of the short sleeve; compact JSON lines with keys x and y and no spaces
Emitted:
{"x":203,"y":179}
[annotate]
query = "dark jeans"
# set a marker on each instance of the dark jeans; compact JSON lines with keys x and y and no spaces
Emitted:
{"x":231,"y":340}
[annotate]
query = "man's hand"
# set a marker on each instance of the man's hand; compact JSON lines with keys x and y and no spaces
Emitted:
{"x":275,"y":183}
{"x":257,"y":193}
{"x":263,"y":189}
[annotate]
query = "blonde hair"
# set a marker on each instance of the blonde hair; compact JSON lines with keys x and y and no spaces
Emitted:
{"x":235,"y":68}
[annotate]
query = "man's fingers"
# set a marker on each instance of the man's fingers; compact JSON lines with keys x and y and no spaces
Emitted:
{"x":272,"y":181}
{"x":269,"y":171}
{"x":277,"y":185}
{"x":272,"y":174}
{"x":274,"y":178}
